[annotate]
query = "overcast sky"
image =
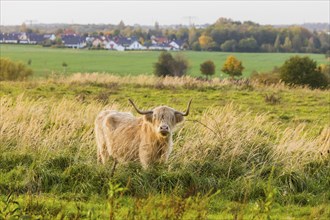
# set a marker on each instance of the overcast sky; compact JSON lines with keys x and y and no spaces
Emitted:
{"x":15,"y":12}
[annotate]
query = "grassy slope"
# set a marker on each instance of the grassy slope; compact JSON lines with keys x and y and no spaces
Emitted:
{"x":50,"y":165}
{"x":302,"y":106}
{"x":46,"y":60}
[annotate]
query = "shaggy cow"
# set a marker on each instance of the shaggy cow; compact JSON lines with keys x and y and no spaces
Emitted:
{"x":147,"y":139}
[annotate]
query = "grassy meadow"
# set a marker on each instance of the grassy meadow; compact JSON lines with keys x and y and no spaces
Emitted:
{"x":46,"y":61}
{"x":238,"y":155}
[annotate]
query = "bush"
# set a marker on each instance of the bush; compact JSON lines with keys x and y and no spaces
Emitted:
{"x":267,"y":78}
{"x":207,"y":68}
{"x":168,"y":65}
{"x":10,"y":70}
{"x":302,"y":71}
{"x":325,"y":70}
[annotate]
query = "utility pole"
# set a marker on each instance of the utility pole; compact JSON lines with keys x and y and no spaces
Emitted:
{"x":190,"y":19}
{"x":31,"y":22}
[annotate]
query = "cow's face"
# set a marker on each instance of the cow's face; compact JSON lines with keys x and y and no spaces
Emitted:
{"x":164,"y":119}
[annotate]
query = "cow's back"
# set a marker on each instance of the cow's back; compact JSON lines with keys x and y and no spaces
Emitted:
{"x":121,"y":134}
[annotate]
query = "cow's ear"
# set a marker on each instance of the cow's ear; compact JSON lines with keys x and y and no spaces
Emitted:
{"x":148,"y":117}
{"x":178,"y":117}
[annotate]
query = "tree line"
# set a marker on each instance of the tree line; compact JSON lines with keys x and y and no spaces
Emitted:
{"x":224,"y":35}
{"x":232,"y":36}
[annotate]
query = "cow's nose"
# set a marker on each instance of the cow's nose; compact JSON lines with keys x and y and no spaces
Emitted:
{"x":164,"y":128}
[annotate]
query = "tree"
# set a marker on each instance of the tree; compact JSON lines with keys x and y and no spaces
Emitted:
{"x":205,"y":41}
{"x":196,"y":46}
{"x":192,"y":36}
{"x":121,"y":25}
{"x":207,"y":68}
{"x":297,"y":44}
{"x":164,"y":65}
{"x":169,"y":66}
{"x":277,"y":43}
{"x":302,"y":71}
{"x":23,"y":27}
{"x":180,"y":65}
{"x":229,"y":46}
{"x":248,"y":44}
{"x":156,"y":26}
{"x":287,"y":46}
{"x":58,"y":41}
{"x":233,"y":67}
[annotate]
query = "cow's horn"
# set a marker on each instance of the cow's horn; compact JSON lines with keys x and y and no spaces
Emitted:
{"x":187,"y":111}
{"x":139,"y":111}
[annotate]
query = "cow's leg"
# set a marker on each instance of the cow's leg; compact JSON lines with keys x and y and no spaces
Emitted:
{"x":144,"y":158}
{"x":102,"y":153}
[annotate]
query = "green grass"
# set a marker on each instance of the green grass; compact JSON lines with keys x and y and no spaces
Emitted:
{"x":45,"y":61}
{"x":303,"y":106}
{"x":247,"y":158}
{"x":154,"y":207}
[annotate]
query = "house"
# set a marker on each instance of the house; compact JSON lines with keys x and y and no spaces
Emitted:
{"x":12,"y":38}
{"x":51,"y":37}
{"x":99,"y":42}
{"x":35,"y":38}
{"x":112,"y":45}
{"x":176,"y":45}
{"x":135,"y":45}
{"x":123,"y":41}
{"x":161,"y":46}
{"x":23,"y":38}
{"x":1,"y":37}
{"x":74,"y":41}
{"x":158,"y":40}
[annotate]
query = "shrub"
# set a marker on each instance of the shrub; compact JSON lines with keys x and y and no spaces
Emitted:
{"x":207,"y":68}
{"x":168,"y":65}
{"x":272,"y":77}
{"x":10,"y":70}
{"x":302,"y":71}
{"x":180,"y":65}
{"x":164,"y":65}
{"x":325,"y":70}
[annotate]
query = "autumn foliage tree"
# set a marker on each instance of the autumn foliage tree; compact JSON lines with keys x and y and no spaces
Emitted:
{"x":207,"y":68}
{"x":233,"y":67}
{"x":205,"y":42}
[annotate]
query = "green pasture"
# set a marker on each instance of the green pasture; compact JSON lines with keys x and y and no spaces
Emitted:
{"x":45,"y":61}
{"x":48,"y":166}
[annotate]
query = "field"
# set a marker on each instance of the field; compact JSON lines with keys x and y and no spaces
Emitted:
{"x":45,"y":61}
{"x":238,"y":155}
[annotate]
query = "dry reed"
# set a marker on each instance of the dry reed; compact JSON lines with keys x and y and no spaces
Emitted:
{"x":224,"y":134}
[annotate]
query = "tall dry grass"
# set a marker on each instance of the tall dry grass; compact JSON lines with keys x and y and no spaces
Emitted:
{"x":226,"y":135}
{"x":44,"y":126}
{"x":186,"y":81}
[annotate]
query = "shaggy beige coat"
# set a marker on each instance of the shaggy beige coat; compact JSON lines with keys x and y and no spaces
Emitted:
{"x":127,"y":138}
